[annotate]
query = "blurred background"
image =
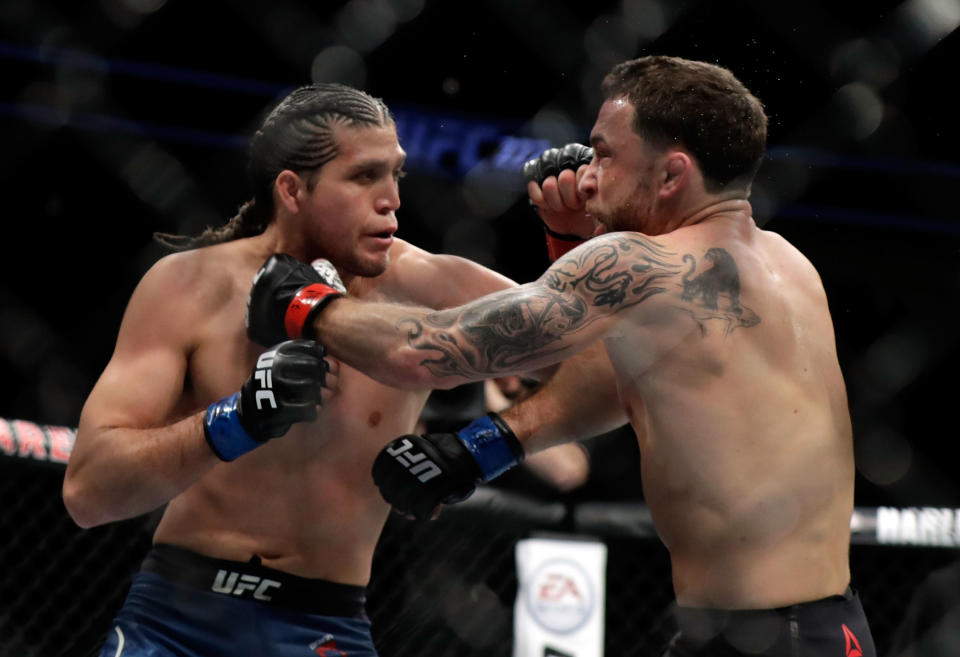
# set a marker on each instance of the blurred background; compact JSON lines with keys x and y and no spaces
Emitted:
{"x":119,"y":118}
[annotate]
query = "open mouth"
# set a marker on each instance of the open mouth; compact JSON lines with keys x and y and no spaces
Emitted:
{"x":384,"y":238}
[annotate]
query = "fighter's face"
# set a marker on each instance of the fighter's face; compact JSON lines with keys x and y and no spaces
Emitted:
{"x":618,"y":184}
{"x":349,"y":213}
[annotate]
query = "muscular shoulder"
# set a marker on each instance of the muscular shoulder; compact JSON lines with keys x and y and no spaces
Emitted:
{"x":436,"y":280}
{"x":178,"y":290}
{"x":201,"y":275}
{"x":788,"y":253}
{"x":654,"y":277}
{"x":615,"y":262}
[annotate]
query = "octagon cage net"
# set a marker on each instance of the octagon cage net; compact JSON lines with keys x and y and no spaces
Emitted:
{"x":441,"y":588}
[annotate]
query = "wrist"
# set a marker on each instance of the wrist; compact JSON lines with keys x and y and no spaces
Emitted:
{"x":558,"y":244}
{"x":493,"y":445}
{"x":224,"y":431}
{"x":304,"y":308}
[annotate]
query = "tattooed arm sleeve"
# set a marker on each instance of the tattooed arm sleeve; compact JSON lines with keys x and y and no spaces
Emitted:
{"x":534,"y":325}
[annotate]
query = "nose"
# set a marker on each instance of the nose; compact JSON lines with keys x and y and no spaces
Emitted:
{"x":587,"y":186}
{"x":389,"y":201}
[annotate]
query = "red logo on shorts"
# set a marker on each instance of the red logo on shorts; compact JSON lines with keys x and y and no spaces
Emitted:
{"x":853,"y":646}
{"x":327,"y":647}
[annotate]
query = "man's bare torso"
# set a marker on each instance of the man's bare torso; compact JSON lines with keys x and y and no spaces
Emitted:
{"x":741,"y":415}
{"x":305,"y":502}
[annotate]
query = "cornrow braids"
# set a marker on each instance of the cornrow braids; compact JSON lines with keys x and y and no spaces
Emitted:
{"x":299,"y":135}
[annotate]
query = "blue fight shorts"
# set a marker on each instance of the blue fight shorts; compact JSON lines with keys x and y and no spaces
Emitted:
{"x":831,"y":627}
{"x":183,"y":604}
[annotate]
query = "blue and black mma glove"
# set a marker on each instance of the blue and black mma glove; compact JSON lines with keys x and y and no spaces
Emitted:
{"x":417,"y":473}
{"x":286,"y":296}
{"x":285,"y":387}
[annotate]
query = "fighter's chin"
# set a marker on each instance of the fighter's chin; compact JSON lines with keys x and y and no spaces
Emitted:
{"x":599,"y":226}
{"x":365,"y":267}
{"x":375,"y":268}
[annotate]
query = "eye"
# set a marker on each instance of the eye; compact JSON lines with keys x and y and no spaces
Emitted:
{"x":399,"y":173}
{"x":365,"y":175}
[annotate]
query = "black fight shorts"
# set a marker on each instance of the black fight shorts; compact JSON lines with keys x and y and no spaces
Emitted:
{"x":831,"y":627}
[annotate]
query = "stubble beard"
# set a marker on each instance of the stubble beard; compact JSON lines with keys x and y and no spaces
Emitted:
{"x":629,"y":215}
{"x":367,"y":268}
{"x":624,"y":217}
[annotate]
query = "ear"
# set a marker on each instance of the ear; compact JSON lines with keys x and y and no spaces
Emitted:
{"x":289,"y":188}
{"x":675,"y":174}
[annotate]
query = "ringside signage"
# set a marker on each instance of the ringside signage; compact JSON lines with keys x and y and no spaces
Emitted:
{"x":559,"y":608}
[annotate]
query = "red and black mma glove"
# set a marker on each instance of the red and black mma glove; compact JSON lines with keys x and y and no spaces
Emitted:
{"x":550,"y":163}
{"x":417,"y":473}
{"x":286,"y":295}
{"x":285,"y":387}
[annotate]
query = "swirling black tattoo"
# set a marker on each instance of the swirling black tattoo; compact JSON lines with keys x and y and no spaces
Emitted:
{"x":504,"y":331}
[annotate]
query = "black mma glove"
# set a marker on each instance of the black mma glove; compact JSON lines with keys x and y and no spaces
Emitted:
{"x":284,"y":388}
{"x":415,"y":474}
{"x":286,"y":295}
{"x":554,"y":160}
{"x":550,"y":163}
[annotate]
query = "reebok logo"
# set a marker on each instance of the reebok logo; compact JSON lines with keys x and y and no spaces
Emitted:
{"x":264,"y":376}
{"x":852,"y":645}
{"x":327,"y":647}
{"x":233,"y":583}
{"x":416,"y":462}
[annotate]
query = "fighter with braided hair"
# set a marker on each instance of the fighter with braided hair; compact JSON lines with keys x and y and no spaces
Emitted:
{"x":261,"y":453}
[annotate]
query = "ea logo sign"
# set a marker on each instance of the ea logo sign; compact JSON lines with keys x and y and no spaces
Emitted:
{"x":560,"y":596}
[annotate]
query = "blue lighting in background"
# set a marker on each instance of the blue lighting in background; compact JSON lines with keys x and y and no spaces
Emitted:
{"x":444,"y":145}
{"x":451,"y":146}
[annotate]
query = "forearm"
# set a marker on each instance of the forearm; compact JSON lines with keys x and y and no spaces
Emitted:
{"x":416,"y":473}
{"x":579,"y":401}
{"x":121,"y":473}
{"x":512,"y":331}
{"x":414,"y":347}
{"x":376,"y":338}
{"x":509,"y":332}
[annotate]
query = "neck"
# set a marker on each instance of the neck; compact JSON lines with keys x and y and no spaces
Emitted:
{"x":713,"y":208}
{"x":733,"y":207}
{"x":274,"y":240}
{"x":277,"y":240}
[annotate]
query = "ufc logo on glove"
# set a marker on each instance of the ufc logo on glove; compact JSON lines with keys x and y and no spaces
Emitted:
{"x":417,"y":463}
{"x":264,"y":377}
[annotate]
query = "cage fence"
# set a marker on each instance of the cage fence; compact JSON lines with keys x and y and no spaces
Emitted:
{"x":443,"y":588}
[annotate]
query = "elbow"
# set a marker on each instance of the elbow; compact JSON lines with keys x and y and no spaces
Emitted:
{"x":570,"y":474}
{"x":80,"y":504}
{"x":570,"y":479}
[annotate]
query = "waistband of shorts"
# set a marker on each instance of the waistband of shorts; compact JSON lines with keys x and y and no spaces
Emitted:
{"x":255,"y":582}
{"x":701,"y":620}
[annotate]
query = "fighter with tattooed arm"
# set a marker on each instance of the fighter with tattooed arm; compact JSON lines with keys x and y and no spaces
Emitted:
{"x":724,"y":354}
